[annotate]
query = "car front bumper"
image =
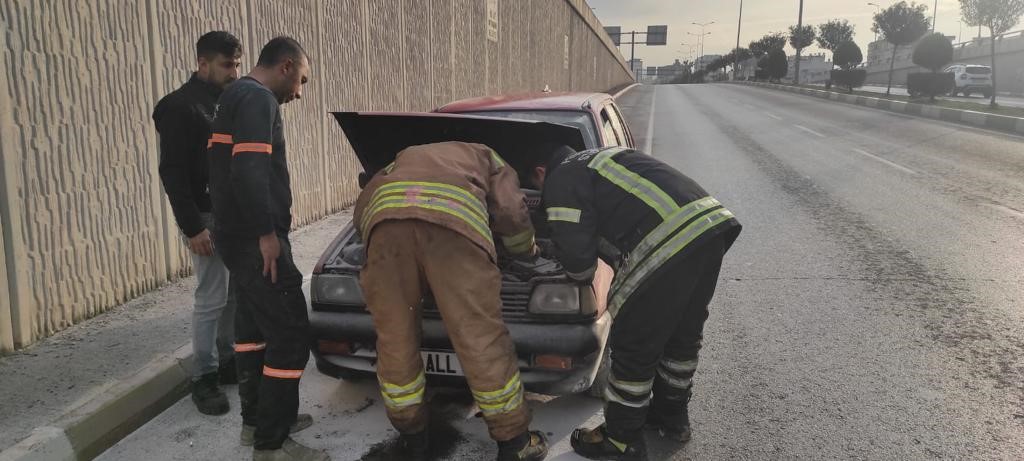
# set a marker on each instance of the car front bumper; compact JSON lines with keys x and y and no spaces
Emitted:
{"x":583,"y":343}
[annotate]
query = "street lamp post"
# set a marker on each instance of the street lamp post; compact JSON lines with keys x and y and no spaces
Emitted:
{"x":702,"y":34}
{"x":935,"y":15}
{"x":735,"y":57}
{"x":877,"y":9}
{"x":799,"y":27}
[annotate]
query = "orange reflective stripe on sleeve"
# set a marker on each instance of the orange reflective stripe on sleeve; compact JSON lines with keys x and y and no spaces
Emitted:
{"x":219,"y":138}
{"x":279,"y":373}
{"x":258,"y":147}
{"x":250,"y":347}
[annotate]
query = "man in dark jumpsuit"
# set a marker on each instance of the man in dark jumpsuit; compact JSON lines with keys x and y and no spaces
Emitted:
{"x":252,"y":199}
{"x":671,"y":236}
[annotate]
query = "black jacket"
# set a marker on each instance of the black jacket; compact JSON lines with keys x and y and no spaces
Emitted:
{"x":183,"y":119}
{"x":249,"y":179}
{"x":605,"y":202}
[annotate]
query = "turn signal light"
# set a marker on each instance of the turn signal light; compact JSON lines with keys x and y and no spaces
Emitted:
{"x":556,"y":362}
{"x":334,"y":347}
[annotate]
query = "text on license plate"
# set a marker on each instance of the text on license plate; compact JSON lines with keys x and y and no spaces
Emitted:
{"x":441,"y":363}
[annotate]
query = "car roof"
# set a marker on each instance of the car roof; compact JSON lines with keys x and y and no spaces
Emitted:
{"x":526,"y":101}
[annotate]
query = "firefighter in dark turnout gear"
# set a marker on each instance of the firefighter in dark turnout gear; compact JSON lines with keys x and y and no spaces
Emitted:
{"x":251,"y":192}
{"x":667,"y":237}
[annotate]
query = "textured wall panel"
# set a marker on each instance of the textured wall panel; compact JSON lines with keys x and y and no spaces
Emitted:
{"x":87,"y":225}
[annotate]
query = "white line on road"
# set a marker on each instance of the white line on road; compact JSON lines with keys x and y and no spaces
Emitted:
{"x":1005,"y":209}
{"x":880,"y":159}
{"x":650,"y":123}
{"x":776,"y":117}
{"x":810,"y":131}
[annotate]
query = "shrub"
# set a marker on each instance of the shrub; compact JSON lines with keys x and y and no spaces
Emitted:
{"x":929,"y":84}
{"x":850,"y":79}
{"x":847,"y":55}
{"x":774,"y":64}
{"x":933,"y":52}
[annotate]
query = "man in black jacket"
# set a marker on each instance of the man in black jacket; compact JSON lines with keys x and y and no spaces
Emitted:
{"x":667,"y":237}
{"x":183,"y":118}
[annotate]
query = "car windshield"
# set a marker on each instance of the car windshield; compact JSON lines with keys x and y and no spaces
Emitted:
{"x":979,"y":70}
{"x":579,"y":120}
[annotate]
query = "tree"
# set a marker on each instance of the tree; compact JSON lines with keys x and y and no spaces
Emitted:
{"x":933,"y":52}
{"x":738,"y":56}
{"x":901,"y":24}
{"x":847,"y":55}
{"x":834,"y":33}
{"x":999,"y":16}
{"x":761,"y":46}
{"x":800,"y":37}
{"x":774,"y":64}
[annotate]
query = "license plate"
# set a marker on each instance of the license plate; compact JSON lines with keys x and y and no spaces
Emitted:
{"x":441,"y":363}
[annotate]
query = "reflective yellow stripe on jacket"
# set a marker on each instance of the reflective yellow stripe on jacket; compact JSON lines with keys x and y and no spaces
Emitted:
{"x":444,"y":198}
{"x":404,"y":395}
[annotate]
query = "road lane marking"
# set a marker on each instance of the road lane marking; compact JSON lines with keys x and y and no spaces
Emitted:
{"x":776,"y":117}
{"x":650,"y":123}
{"x":1005,"y":209}
{"x":880,"y":159}
{"x":810,"y":131}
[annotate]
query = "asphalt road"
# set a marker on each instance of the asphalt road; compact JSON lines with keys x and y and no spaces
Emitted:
{"x":871,"y":309}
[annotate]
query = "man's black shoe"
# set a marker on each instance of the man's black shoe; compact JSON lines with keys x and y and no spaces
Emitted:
{"x":595,"y":444}
{"x":208,"y":397}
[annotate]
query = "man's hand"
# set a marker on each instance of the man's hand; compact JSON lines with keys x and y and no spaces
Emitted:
{"x":270,"y":247}
{"x":201,"y":244}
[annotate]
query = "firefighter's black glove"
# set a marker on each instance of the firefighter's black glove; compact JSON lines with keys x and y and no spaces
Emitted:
{"x":537,"y":265}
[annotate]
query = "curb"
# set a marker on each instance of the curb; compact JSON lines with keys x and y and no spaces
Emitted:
{"x":111,"y":412}
{"x":624,"y":90}
{"x":1003,"y":123}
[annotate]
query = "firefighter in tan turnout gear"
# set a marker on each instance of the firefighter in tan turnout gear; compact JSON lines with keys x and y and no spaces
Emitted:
{"x":427,"y":220}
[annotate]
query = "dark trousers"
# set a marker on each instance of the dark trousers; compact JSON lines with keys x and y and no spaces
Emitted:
{"x":271,"y":338}
{"x":655,"y":340}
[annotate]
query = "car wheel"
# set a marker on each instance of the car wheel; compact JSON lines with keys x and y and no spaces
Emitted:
{"x":953,"y":93}
{"x":967,"y":94}
{"x":601,"y":379}
{"x":988,"y":94}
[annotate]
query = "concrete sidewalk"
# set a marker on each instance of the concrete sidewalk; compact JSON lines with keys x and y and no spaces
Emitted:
{"x":79,"y":391}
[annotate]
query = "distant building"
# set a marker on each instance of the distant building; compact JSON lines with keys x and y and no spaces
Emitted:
{"x":813,"y":68}
{"x":665,"y":74}
{"x":703,"y":61}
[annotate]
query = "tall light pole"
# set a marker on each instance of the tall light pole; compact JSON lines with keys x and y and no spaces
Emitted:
{"x":735,"y":57}
{"x":935,"y":15}
{"x":799,"y":28}
{"x":877,"y":9}
{"x":702,"y":34}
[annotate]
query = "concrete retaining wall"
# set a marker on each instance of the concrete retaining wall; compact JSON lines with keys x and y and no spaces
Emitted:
{"x":84,"y":224}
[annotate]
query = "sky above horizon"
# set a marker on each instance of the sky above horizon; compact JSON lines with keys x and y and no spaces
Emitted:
{"x":759,"y":18}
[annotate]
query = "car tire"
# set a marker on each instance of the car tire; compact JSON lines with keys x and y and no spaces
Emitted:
{"x":601,"y":378}
{"x":967,"y":94}
{"x":988,"y":94}
{"x":953,"y":93}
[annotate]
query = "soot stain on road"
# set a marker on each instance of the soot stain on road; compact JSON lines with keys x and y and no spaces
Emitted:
{"x":444,"y":437}
{"x":945,"y":302}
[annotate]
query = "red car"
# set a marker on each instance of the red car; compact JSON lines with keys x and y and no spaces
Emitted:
{"x":559,"y":328}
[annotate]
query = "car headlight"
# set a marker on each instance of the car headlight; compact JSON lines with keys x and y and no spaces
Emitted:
{"x":336,"y":289}
{"x":555,"y":298}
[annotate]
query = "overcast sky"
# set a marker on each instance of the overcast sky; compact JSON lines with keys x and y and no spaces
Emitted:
{"x":759,"y":18}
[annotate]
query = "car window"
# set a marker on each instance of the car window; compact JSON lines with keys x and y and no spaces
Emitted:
{"x":611,"y":138}
{"x":979,"y":70}
{"x":581,"y":120}
{"x":627,"y":139}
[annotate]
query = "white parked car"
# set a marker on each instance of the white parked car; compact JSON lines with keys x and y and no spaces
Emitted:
{"x":970,"y":78}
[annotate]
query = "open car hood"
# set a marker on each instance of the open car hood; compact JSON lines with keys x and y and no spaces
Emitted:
{"x":377,"y":137}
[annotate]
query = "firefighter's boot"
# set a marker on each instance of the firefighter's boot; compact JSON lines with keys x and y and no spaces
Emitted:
{"x":595,"y":444}
{"x":670,"y":416}
{"x":290,"y":451}
{"x":248,"y":436}
{"x":414,"y":447}
{"x":530,"y":446}
{"x":209,"y":399}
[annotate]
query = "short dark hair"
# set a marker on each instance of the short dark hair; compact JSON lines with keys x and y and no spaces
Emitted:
{"x":216,"y":43}
{"x":280,"y":48}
